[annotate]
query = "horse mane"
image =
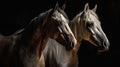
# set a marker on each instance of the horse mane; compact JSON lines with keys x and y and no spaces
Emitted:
{"x":34,"y":22}
{"x":38,"y":20}
{"x":77,"y":15}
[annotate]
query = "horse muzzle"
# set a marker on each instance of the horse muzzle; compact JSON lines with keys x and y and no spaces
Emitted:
{"x":71,"y":42}
{"x":104,"y":48}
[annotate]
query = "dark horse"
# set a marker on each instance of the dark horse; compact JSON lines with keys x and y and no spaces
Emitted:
{"x":24,"y":47}
{"x":85,"y":26}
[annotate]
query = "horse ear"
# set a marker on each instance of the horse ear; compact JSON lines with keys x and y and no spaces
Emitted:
{"x":63,"y":6}
{"x":95,"y":8}
{"x":55,"y":7}
{"x":86,"y":8}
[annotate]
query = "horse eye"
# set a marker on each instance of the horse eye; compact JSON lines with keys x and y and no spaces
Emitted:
{"x":89,"y":24}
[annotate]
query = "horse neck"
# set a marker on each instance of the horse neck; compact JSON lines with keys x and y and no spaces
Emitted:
{"x":74,"y":25}
{"x":33,"y":37}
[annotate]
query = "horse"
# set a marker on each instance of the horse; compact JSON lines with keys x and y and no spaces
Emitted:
{"x":24,"y":47}
{"x":85,"y":26}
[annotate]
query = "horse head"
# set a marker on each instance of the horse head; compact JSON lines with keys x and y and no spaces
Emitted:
{"x":91,"y":30}
{"x":59,"y":28}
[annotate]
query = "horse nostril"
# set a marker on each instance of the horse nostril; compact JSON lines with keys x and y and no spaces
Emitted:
{"x":72,"y":45}
{"x":106,"y":45}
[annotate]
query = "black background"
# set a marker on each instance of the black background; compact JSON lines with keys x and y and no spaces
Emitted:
{"x":17,"y":14}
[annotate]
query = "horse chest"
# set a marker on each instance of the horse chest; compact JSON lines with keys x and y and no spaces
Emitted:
{"x":28,"y":58}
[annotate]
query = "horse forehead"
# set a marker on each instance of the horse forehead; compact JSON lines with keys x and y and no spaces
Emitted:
{"x":63,"y":19}
{"x":93,"y":18}
{"x":59,"y":16}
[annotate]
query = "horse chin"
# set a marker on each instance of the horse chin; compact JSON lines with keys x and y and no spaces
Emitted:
{"x":70,"y":47}
{"x":101,"y":51}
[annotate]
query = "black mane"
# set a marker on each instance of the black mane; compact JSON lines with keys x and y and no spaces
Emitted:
{"x":38,"y":20}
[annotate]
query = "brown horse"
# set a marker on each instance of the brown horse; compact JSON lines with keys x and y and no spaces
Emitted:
{"x":24,"y":48}
{"x":85,"y":26}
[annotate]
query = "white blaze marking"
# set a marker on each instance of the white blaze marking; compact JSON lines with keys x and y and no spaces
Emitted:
{"x":65,"y":21}
{"x":63,"y":18}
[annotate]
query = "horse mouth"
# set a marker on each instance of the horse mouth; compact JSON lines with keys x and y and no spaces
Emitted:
{"x":102,"y":50}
